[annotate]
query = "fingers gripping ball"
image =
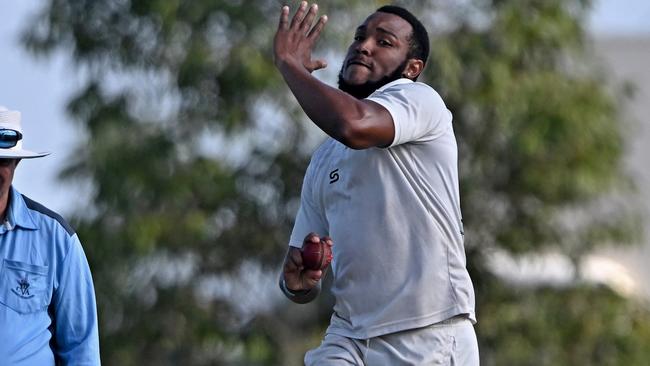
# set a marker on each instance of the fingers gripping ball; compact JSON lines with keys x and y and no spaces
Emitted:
{"x":316,"y":256}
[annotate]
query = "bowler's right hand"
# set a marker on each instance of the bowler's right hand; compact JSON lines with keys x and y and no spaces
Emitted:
{"x":296,"y":276}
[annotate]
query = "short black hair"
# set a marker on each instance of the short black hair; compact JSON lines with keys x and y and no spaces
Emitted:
{"x":419,"y":42}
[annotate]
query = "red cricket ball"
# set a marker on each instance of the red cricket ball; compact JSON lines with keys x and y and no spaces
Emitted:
{"x":316,"y":256}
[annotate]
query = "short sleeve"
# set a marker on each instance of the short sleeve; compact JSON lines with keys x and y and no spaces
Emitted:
{"x":418,"y":112}
{"x":75,"y":310}
{"x":310,"y":217}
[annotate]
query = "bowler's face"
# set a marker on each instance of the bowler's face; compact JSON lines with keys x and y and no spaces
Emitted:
{"x":7,"y":169}
{"x":380,"y":46}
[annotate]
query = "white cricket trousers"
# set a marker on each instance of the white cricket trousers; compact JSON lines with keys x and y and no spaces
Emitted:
{"x":450,"y":343}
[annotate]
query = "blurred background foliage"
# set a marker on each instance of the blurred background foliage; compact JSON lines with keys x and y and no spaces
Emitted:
{"x":196,"y":152}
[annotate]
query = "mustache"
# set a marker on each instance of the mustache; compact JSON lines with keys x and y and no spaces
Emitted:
{"x":359,"y":61}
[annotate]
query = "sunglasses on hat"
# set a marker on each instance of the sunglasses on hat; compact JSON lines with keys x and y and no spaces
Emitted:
{"x":9,"y":138}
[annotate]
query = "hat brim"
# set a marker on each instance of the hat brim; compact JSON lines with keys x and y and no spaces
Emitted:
{"x":21,"y":154}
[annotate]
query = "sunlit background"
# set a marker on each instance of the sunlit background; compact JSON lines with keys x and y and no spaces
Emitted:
{"x":40,"y":87}
{"x":620,"y":37}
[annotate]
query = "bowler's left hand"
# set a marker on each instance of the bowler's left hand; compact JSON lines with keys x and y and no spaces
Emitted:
{"x":294,"y":42}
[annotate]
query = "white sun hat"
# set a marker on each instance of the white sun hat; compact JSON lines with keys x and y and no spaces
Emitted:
{"x":11,"y":134}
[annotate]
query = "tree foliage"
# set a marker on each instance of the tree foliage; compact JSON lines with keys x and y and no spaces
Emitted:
{"x":196,"y":151}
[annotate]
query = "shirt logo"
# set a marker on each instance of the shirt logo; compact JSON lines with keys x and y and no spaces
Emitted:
{"x":334,"y":176}
{"x":22,"y":289}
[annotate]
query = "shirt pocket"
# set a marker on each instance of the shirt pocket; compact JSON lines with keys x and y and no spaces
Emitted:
{"x":24,"y":286}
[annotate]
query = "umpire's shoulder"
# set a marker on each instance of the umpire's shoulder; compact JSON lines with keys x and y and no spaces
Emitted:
{"x":46,"y":214}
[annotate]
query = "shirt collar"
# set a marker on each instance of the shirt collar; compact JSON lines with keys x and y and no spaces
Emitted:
{"x":393,"y":83}
{"x":17,"y":212}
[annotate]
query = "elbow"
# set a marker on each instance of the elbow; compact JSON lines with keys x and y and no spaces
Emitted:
{"x":354,"y":136}
{"x":364,"y":127}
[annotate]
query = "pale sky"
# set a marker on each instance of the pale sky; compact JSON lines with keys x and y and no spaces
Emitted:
{"x":40,"y":89}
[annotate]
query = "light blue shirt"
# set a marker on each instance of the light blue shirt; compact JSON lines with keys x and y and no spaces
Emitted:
{"x":48,"y":312}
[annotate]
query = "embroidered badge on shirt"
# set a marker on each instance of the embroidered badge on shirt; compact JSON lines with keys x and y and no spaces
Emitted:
{"x":22,"y":289}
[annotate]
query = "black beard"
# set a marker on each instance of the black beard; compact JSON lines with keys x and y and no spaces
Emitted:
{"x":361,"y":91}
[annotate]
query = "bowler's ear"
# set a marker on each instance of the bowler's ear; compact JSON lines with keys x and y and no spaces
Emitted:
{"x":413,"y":68}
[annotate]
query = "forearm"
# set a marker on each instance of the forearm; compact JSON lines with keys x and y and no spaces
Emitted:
{"x":353,"y":122}
{"x":332,"y":110}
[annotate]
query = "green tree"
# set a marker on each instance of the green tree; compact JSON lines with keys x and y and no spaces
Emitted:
{"x":196,"y":153}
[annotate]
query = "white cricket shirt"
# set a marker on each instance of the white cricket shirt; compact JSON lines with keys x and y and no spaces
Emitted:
{"x":394,"y":217}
